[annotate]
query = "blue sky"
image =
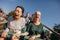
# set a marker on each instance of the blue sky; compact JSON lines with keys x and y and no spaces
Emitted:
{"x":50,"y":9}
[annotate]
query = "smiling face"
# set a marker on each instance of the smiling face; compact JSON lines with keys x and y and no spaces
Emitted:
{"x":18,"y":12}
{"x":37,"y":16}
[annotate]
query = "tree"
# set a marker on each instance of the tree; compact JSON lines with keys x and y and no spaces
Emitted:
{"x":11,"y":13}
{"x":57,"y":29}
{"x":47,"y":35}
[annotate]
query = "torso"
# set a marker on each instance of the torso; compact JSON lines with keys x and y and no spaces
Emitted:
{"x":17,"y":25}
{"x":35,"y":29}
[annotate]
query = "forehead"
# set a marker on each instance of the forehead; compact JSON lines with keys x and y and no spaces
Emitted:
{"x":38,"y":13}
{"x":18,"y":8}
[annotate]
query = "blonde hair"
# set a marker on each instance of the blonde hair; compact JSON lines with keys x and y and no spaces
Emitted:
{"x":38,"y":12}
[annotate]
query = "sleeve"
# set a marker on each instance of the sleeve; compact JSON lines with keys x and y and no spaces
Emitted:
{"x":7,"y":30}
{"x":23,"y":23}
{"x":5,"y":26}
{"x":42,"y":33}
{"x":23,"y":26}
{"x":28,"y":27}
{"x":23,"y":30}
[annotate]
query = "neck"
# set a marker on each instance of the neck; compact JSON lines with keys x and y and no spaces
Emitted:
{"x":17,"y":18}
{"x":37,"y":22}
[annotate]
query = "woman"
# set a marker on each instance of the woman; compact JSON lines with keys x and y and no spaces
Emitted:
{"x":35,"y":29}
{"x":16,"y":26}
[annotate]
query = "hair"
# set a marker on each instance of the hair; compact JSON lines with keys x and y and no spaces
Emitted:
{"x":33,"y":14}
{"x":38,"y":12}
{"x":28,"y":13}
{"x":21,"y":8}
{"x":1,"y":11}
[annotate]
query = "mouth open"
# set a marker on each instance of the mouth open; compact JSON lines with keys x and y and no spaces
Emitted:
{"x":16,"y":15}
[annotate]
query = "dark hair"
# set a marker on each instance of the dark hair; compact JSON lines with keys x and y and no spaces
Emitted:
{"x":0,"y":10}
{"x":21,"y":8}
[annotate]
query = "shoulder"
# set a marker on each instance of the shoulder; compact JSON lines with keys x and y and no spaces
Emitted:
{"x":30,"y":24}
{"x":23,"y":18}
{"x":10,"y":18}
{"x":41,"y":26}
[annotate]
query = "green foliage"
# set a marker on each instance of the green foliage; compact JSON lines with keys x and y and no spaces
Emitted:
{"x":57,"y":29}
{"x":47,"y":32}
{"x":11,"y":13}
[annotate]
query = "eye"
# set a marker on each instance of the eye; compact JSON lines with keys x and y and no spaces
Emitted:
{"x":17,"y":11}
{"x":0,"y":11}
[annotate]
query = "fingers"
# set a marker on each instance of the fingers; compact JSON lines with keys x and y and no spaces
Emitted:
{"x":4,"y":34}
{"x":1,"y":38}
{"x":15,"y":36}
{"x":32,"y":38}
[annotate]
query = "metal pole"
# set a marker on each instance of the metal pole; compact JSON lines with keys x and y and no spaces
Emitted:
{"x":52,"y":30}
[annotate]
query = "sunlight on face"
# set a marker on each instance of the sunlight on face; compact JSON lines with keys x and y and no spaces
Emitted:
{"x":38,"y":14}
{"x":18,"y":12}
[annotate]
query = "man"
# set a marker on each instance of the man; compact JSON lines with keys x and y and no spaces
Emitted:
{"x":15,"y":25}
{"x":35,"y":29}
{"x":28,"y":18}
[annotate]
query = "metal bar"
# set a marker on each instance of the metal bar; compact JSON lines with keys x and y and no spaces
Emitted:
{"x":52,"y":30}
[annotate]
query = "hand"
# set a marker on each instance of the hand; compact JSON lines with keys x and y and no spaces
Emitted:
{"x":32,"y":37}
{"x":24,"y":34}
{"x":4,"y":34}
{"x":18,"y":35}
{"x":15,"y":36}
{"x":38,"y":35}
{"x":1,"y":30}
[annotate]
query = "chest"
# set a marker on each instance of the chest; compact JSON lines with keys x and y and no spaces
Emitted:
{"x":36,"y":28}
{"x":15,"y":23}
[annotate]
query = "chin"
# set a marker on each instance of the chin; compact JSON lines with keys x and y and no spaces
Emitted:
{"x":37,"y":17}
{"x":16,"y":16}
